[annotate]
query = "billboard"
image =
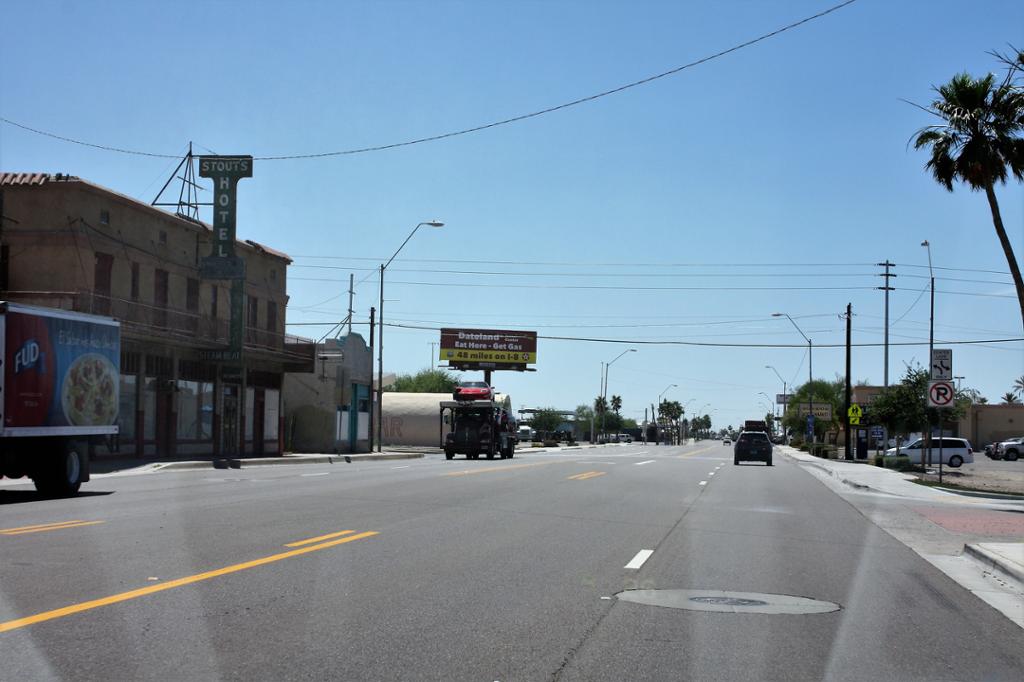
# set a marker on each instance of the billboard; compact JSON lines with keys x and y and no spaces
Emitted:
{"x":488,"y":346}
{"x":60,"y":371}
{"x":821,"y":410}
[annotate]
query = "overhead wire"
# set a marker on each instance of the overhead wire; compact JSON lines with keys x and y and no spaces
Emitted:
{"x":478,"y":128}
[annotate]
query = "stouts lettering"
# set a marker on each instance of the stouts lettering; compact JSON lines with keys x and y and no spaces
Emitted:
{"x":224,"y":165}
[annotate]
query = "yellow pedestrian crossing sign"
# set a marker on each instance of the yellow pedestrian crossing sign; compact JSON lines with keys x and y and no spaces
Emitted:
{"x":855,"y":413}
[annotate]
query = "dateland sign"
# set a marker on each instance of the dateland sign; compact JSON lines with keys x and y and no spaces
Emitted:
{"x":495,"y":347}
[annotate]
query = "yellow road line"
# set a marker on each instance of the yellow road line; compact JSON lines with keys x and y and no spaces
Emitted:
{"x":587,"y":474}
{"x":47,"y":526}
{"x":696,"y":452}
{"x":319,"y":538}
{"x":188,"y":580}
{"x":468,"y":472}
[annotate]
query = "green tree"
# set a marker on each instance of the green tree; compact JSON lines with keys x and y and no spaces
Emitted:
{"x":583,"y":420}
{"x":978,"y":141}
{"x":902,"y":408}
{"x":820,"y":392}
{"x":424,"y":381}
{"x":1018,"y":386}
{"x":1010,"y":398}
{"x":616,"y":403}
{"x":629,"y":423}
{"x":600,"y":405}
{"x":546,"y":419}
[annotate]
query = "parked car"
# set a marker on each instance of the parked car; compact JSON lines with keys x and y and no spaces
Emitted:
{"x":1009,"y":450}
{"x":955,"y":451}
{"x":623,"y":438}
{"x":752,"y":446}
{"x":473,"y":390}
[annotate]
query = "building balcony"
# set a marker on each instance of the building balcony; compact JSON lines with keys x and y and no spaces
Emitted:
{"x":145,"y":320}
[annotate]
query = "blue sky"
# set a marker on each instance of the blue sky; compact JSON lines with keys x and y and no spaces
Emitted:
{"x":792,"y":152}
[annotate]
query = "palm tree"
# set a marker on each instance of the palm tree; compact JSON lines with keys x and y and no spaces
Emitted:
{"x":979,"y":140}
{"x":616,"y":403}
{"x":1018,"y":385}
{"x":1010,"y":398}
{"x":600,"y":404}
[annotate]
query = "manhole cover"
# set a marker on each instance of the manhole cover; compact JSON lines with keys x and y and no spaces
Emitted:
{"x":728,"y":602}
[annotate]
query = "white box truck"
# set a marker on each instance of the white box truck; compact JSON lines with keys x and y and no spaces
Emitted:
{"x":59,"y":386}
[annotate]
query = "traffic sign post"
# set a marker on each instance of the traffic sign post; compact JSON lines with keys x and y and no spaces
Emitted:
{"x":942,"y":364}
{"x":855,"y":413}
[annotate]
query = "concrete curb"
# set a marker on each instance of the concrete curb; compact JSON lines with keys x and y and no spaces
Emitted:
{"x":992,"y":559}
{"x":273,"y":461}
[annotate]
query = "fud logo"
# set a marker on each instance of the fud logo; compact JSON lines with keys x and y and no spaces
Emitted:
{"x":28,"y":357}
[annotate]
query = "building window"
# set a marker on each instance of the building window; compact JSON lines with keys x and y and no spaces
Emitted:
{"x":273,"y":275}
{"x":254,"y":306}
{"x":135,"y":281}
{"x":214,"y":293}
{"x":104,"y":217}
{"x":103,"y":268}
{"x":271,"y":316}
{"x":5,"y":264}
{"x":160,"y":290}
{"x":192,"y":295}
{"x":192,"y":303}
{"x":163,"y":236}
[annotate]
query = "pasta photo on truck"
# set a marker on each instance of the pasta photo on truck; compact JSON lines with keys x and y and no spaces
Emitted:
{"x":60,"y":385}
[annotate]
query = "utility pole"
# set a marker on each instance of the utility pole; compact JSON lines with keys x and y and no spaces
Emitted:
{"x":433,"y":344}
{"x":369,"y":433}
{"x":887,"y":275}
{"x":380,"y":365}
{"x":846,"y":429}
{"x":351,"y":293}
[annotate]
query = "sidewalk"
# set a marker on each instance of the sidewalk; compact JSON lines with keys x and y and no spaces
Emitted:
{"x":962,"y":534}
{"x":864,"y":476}
{"x":110,"y":465}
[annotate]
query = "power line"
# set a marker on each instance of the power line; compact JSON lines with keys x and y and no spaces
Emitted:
{"x":734,"y":345}
{"x":486,"y":126}
{"x":485,"y":285}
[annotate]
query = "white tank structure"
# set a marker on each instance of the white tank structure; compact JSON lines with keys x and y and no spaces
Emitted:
{"x":414,"y":419}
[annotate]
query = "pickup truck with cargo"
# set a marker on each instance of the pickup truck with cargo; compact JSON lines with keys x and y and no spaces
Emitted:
{"x":59,"y":390}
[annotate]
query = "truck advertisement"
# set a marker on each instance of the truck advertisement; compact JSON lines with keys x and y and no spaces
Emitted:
{"x":60,"y":370}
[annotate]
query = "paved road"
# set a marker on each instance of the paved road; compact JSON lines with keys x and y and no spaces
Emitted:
{"x":482,"y":570}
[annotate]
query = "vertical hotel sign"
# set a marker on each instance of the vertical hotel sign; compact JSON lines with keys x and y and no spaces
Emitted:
{"x":222,"y":263}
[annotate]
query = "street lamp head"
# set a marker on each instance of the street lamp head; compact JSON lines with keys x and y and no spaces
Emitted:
{"x":778,"y":314}
{"x":925,"y":243}
{"x":434,"y":223}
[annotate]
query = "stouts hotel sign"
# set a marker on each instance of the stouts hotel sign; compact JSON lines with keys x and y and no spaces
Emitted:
{"x":488,"y":346}
{"x":225,"y":171}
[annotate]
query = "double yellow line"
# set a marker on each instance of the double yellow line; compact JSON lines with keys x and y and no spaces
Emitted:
{"x":586,"y":474}
{"x":303,"y":548}
{"x":39,"y":528}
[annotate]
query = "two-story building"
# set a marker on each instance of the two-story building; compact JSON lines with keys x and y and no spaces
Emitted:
{"x":69,"y":243}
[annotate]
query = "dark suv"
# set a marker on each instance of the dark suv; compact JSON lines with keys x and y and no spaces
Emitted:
{"x":752,"y":446}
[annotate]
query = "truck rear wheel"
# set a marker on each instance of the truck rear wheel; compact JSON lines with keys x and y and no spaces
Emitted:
{"x":65,"y":471}
{"x":448,"y":453}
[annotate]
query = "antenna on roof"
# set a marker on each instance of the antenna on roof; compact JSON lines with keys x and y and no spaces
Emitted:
{"x":187,"y":205}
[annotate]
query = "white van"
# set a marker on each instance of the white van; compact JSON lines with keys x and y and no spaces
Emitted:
{"x":955,"y":451}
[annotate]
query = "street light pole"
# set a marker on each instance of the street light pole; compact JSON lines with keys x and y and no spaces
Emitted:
{"x":810,"y":373}
{"x":380,"y":335}
{"x":604,"y":392}
{"x":931,"y":354}
{"x":784,"y":396}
